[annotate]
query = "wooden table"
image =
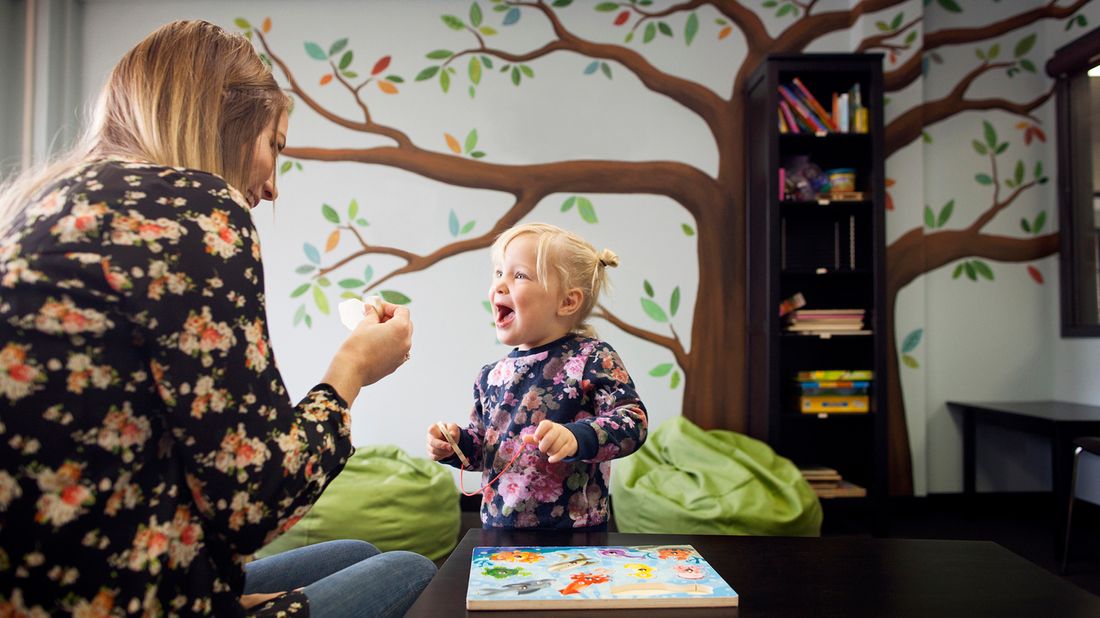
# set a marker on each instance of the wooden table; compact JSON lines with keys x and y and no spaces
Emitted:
{"x":1057,"y":421}
{"x":841,"y":576}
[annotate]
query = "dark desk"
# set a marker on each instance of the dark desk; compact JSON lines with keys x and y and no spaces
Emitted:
{"x":780,"y":576}
{"x":1059,"y":422}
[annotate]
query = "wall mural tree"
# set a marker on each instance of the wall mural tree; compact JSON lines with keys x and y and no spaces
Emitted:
{"x":713,"y":380}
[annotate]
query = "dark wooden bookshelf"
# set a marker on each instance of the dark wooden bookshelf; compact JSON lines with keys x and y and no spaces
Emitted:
{"x":829,"y":250}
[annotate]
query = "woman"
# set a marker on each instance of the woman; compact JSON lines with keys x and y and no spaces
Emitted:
{"x":147,"y":442}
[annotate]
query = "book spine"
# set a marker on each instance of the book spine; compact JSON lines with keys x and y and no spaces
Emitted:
{"x":786,"y":111}
{"x":802,"y":111}
{"x":845,"y":115}
{"x":811,"y":101}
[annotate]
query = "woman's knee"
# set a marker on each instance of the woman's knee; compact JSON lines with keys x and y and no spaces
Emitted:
{"x":354,"y":549}
{"x":414,"y":568}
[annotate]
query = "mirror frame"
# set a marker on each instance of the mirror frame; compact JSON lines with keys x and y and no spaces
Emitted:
{"x":1068,"y":61}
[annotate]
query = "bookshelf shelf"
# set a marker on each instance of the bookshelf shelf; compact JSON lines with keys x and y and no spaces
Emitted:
{"x":828,"y":251}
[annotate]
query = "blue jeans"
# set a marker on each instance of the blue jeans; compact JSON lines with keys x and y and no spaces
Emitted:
{"x":344,"y":578}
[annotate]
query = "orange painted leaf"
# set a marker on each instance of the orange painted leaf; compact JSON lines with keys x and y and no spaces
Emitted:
{"x":621,"y":18}
{"x":890,"y":182}
{"x":381,"y":65}
{"x":325,"y":79}
{"x":387,"y":87}
{"x":1027,"y":136}
{"x":333,"y":240}
{"x":1021,"y":125}
{"x":889,"y":201}
{"x":1039,"y":134}
{"x":267,"y":25}
{"x":452,"y":143}
{"x":1035,"y":274}
{"x":724,"y":32}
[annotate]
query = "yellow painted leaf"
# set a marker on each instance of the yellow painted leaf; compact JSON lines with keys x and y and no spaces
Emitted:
{"x":724,"y":32}
{"x":326,"y":79}
{"x":452,"y":143}
{"x":333,"y":240}
{"x":1021,"y":125}
{"x":890,"y":182}
{"x":267,"y":25}
{"x":387,"y":87}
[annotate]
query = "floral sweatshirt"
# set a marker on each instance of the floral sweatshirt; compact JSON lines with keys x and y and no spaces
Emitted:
{"x":147,"y":443}
{"x":575,"y":381}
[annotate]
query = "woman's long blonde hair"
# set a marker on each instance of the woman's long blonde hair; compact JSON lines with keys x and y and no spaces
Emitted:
{"x":191,"y":94}
{"x":573,"y":261}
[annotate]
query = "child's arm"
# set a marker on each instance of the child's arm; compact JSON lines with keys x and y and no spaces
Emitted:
{"x":620,"y":424}
{"x":470,"y":439}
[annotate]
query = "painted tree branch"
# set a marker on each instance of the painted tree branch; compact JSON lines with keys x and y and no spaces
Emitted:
{"x":673,"y":344}
{"x":879,"y":40}
{"x":909,"y":71}
{"x":812,"y":27}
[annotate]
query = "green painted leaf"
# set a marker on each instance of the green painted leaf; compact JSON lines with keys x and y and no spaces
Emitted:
{"x":397,"y":298}
{"x":351,"y":283}
{"x":586,"y":210}
{"x":440,"y":54}
{"x":320,"y":300}
{"x":471,"y":140}
{"x":926,"y":137}
{"x":242,"y":23}
{"x":311,"y":253}
{"x":397,"y":79}
{"x":648,"y":287}
{"x":477,"y":154}
{"x":605,"y":7}
{"x":467,"y":227}
{"x":929,"y":218}
{"x":285,"y":167}
{"x":299,"y":314}
{"x":910,"y":361}
{"x":361,"y":222}
{"x":945,"y":213}
{"x":350,"y":74}
{"x":330,"y":213}
{"x":674,"y":381}
{"x":487,"y":31}
{"x":664,"y":28}
{"x":337,"y":46}
{"x":561,"y":4}
{"x":475,"y":70}
{"x":568,"y":203}
{"x":909,"y":38}
{"x":475,"y":14}
{"x":314,"y":50}
{"x":453,"y":22}
{"x":444,"y":81}
{"x":767,"y":4}
{"x":323,"y":282}
{"x":896,"y":23}
{"x":968,"y":268}
{"x":427,"y":73}
{"x":1000,"y":149}
{"x":1025,"y":225}
{"x":661,"y":370}
{"x":950,"y":5}
{"x":650,"y":32}
{"x":958,"y":271}
{"x":783,"y":10}
{"x":345,"y":60}
{"x":301,"y":289}
{"x":912,"y":340}
{"x":353,"y":209}
{"x":1018,"y":173}
{"x":528,"y":71}
{"x":305,"y":269}
{"x":983,"y":269}
{"x":882,"y":26}
{"x":349,"y":294}
{"x":606,"y":69}
{"x":990,"y":134}
{"x":983,"y":179}
{"x":691,"y":28}
{"x":1024,"y":45}
{"x":674,"y":301}
{"x":515,"y":76}
{"x":488,"y":306}
{"x":654,"y":311}
{"x":994,"y":51}
{"x":452,"y":223}
{"x":979,"y":147}
{"x":688,"y":230}
{"x":1040,"y":221}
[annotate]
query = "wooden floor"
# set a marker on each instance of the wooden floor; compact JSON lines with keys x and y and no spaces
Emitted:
{"x":1022,"y":523}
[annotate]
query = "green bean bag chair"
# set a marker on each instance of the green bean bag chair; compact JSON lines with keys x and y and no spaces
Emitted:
{"x":685,"y":480}
{"x":387,"y":498}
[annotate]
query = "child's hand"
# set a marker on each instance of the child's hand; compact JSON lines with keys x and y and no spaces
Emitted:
{"x":438,"y":447}
{"x":554,"y":440}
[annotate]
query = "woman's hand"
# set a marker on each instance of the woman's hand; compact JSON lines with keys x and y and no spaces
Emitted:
{"x":248,"y":601}
{"x":554,"y":440}
{"x":438,"y":447}
{"x":377,"y":347}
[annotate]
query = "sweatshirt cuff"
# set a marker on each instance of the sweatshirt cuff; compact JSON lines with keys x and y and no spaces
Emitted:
{"x":587,"y":443}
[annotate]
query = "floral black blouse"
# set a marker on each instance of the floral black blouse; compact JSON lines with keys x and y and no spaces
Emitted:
{"x":147,"y":442}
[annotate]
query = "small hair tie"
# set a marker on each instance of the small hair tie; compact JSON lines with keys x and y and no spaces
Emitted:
{"x":607,"y":258}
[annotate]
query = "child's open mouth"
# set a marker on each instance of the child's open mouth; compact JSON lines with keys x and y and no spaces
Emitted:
{"x":505,"y":315}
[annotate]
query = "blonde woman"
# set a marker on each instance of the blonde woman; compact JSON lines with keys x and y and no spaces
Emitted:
{"x":549,"y":417}
{"x":147,"y":443}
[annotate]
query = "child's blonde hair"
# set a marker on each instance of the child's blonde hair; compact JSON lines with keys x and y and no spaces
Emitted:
{"x":574,"y":261}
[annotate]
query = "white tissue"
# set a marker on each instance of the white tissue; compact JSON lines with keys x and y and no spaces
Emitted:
{"x":353,"y":311}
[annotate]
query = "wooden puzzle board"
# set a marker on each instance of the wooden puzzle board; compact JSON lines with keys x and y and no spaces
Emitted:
{"x":594,"y":577}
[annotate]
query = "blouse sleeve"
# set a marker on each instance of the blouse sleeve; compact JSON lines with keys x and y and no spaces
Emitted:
{"x":187,"y":262}
{"x":471,"y":440}
{"x":620,"y":423}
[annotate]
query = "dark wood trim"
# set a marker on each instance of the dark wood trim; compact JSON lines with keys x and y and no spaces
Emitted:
{"x":1081,"y":53}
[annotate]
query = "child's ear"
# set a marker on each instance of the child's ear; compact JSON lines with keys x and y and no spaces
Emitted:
{"x":570,"y":302}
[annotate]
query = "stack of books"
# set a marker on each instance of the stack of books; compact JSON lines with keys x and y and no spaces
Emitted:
{"x":825,"y":320}
{"x":801,"y":112}
{"x":834,"y":391}
{"x":827,"y":483}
